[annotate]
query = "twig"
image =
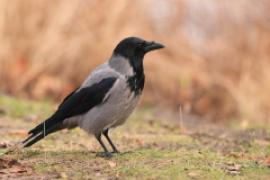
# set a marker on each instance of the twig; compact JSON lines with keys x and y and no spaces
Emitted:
{"x":181,"y":123}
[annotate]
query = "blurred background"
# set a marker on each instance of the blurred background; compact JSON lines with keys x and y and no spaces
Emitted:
{"x":216,"y":63}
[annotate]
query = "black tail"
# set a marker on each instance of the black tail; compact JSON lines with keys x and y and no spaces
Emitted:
{"x":41,"y":131}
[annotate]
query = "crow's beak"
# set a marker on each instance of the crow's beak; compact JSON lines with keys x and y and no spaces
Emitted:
{"x":150,"y":46}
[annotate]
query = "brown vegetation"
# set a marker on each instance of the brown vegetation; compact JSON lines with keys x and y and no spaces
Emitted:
{"x":216,"y":61}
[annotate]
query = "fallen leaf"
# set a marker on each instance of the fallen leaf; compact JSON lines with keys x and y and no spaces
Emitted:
{"x":18,"y":132}
{"x":18,"y":169}
{"x":4,"y":145}
{"x":230,"y":167}
{"x":112,"y":164}
{"x":233,"y":169}
{"x":8,"y":166}
{"x":267,"y":161}
{"x":193,"y":174}
{"x":6,"y":163}
{"x":233,"y":173}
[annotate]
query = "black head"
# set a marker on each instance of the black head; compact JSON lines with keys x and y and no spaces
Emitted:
{"x":134,"y":47}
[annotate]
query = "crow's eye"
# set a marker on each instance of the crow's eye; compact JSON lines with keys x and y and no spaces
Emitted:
{"x":141,"y":44}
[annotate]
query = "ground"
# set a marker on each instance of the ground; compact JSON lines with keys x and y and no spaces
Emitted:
{"x":153,"y":146}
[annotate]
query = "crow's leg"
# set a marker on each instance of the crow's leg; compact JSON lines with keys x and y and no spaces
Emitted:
{"x":106,"y":134}
{"x":106,"y":153}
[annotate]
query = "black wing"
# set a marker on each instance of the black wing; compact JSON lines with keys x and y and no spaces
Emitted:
{"x":85,"y":99}
{"x":75,"y":103}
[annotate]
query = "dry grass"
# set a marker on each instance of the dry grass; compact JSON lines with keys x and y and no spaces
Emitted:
{"x":216,"y":63}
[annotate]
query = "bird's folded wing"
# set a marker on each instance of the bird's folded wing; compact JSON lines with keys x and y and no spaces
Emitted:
{"x":79,"y":102}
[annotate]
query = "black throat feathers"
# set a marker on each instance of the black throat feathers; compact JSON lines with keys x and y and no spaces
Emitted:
{"x":136,"y":81}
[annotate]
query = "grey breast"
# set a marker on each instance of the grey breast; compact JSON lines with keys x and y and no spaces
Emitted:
{"x":116,"y":109}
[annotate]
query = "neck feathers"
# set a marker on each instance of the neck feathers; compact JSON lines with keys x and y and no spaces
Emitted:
{"x":132,"y":69}
{"x":121,"y":65}
{"x":136,"y":83}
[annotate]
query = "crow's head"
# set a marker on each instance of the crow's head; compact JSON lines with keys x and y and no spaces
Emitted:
{"x":134,"y":47}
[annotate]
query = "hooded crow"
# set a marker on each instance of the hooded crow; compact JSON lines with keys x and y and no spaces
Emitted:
{"x":105,"y":99}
